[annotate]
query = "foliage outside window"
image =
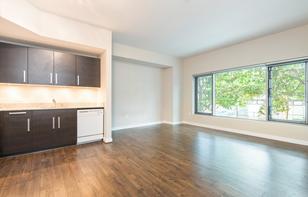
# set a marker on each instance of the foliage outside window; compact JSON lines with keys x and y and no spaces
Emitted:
{"x":241,"y":93}
{"x":204,"y":94}
{"x":287,"y":93}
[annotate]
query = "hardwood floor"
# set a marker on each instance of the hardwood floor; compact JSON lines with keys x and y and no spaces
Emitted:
{"x":161,"y":160}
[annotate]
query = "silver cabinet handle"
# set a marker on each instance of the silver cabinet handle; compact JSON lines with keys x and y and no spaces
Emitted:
{"x":53,"y":123}
{"x":78,"y":80}
{"x":51,"y":78}
{"x":28,"y":125}
{"x":17,"y":113}
{"x":56,"y":78}
{"x":59,"y":122}
{"x":25,"y":78}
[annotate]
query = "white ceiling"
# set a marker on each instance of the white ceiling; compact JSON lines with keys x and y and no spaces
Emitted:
{"x":183,"y":27}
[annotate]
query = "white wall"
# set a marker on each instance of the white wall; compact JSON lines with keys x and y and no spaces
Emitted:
{"x":171,"y":76}
{"x":285,"y":45}
{"x":171,"y":112}
{"x":167,"y":95}
{"x":137,"y":94}
{"x":145,"y":56}
{"x":176,"y":93}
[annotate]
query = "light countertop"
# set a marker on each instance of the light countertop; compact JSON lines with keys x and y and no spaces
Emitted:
{"x":42,"y":106}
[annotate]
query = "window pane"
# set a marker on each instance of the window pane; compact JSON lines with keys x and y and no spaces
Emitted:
{"x":288,"y":92}
{"x":241,"y":93}
{"x":204,"y":94}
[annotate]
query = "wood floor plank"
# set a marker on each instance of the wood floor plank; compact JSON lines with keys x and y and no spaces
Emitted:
{"x":161,"y":160}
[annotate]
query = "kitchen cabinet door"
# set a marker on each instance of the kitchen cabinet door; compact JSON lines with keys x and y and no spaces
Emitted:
{"x":40,"y":66}
{"x":44,"y":129}
{"x":66,"y":133}
{"x":88,"y":71}
{"x":16,"y":134}
{"x":64,"y":69}
{"x":13,"y":63}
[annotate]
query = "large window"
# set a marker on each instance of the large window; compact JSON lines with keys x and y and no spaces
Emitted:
{"x":269,"y":92}
{"x":241,"y":93}
{"x":204,"y":94}
{"x":287,"y":92}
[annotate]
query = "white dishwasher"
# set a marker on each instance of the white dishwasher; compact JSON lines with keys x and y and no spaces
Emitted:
{"x":90,"y":125}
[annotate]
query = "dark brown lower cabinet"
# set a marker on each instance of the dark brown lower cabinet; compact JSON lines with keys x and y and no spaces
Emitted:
{"x":27,"y":131}
{"x":16,"y":135}
{"x":44,"y":129}
{"x":66,"y":128}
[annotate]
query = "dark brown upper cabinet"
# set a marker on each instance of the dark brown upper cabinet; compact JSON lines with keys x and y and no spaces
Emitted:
{"x":30,"y":65}
{"x":40,"y":66}
{"x":64,"y":69}
{"x":88,"y":71}
{"x":13,"y":63}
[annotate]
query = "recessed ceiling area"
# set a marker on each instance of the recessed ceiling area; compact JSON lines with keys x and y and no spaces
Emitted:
{"x":13,"y":33}
{"x":183,"y":27}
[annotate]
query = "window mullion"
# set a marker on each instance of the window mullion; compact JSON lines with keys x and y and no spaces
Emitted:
{"x":196,"y":95}
{"x":213,"y":94}
{"x":269,"y":94}
{"x":306,"y":92}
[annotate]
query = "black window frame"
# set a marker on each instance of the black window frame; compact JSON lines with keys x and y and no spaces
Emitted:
{"x":269,"y":95}
{"x":196,"y":94}
{"x":268,"y":67}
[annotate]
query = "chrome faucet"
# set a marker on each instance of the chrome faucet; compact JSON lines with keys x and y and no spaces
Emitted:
{"x":54,"y":101}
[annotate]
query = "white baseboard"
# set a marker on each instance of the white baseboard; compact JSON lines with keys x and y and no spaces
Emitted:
{"x":171,"y":123}
{"x":145,"y":125}
{"x":243,"y":132}
{"x":107,"y":140}
{"x":135,"y":126}
{"x":88,"y":139}
{"x":250,"y":133}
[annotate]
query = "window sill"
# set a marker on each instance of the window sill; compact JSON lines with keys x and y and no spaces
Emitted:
{"x":269,"y":121}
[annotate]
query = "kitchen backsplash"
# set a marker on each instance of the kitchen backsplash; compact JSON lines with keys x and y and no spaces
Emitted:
{"x":11,"y":93}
